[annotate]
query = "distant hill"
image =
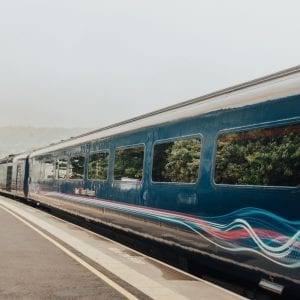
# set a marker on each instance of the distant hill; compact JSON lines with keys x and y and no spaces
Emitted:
{"x":20,"y":139}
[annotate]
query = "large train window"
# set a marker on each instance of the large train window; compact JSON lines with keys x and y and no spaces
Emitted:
{"x":177,"y":161}
{"x":61,"y":168}
{"x":76,"y":170}
{"x":129,"y":164}
{"x":269,"y":157}
{"x":98,"y":166}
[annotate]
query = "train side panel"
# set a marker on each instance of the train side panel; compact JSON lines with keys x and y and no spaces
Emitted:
{"x":255,"y":226}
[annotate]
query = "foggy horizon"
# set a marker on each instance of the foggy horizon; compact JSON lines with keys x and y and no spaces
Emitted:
{"x":77,"y":64}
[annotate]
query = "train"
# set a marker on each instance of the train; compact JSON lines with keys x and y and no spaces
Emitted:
{"x":217,"y":176}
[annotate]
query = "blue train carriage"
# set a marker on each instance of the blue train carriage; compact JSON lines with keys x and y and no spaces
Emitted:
{"x":13,"y":174}
{"x":6,"y":173}
{"x":218,"y":175}
{"x":20,"y":175}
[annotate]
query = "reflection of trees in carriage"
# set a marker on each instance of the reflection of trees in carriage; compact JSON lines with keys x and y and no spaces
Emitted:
{"x":76,"y":167}
{"x":260,"y":157}
{"x":177,"y":161}
{"x":98,"y":165}
{"x":268,"y":156}
{"x":129,"y":163}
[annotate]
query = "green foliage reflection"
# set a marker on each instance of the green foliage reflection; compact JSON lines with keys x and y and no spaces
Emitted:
{"x":98,"y":165}
{"x":129,"y":164}
{"x":77,"y":167}
{"x":260,"y":157}
{"x":177,"y":161}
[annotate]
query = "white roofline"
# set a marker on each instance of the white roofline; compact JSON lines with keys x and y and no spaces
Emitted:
{"x":282,"y":84}
{"x":21,"y":156}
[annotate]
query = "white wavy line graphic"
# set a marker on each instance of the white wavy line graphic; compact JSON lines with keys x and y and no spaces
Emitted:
{"x":275,"y":254}
{"x":237,"y":249}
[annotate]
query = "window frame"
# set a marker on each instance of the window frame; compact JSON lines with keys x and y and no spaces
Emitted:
{"x":172,"y":139}
{"x":256,"y":126}
{"x":108,"y":164}
{"x":131,"y":146}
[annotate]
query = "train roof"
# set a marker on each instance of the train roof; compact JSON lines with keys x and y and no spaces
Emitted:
{"x":14,"y":157}
{"x":281,"y":84}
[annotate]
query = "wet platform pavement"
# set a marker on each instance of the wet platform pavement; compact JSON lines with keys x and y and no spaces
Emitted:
{"x":42,"y":257}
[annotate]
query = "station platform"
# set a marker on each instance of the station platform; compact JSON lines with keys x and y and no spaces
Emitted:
{"x":45,"y":257}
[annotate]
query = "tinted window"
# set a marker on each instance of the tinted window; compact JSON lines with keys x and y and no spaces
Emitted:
{"x":177,"y":161}
{"x":61,"y":166}
{"x":259,"y":157}
{"x":129,"y":164}
{"x":98,"y":165}
{"x":76,"y":167}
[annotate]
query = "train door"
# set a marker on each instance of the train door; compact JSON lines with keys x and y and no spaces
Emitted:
{"x":8,"y":178}
{"x":19,"y":178}
{"x":174,"y":174}
{"x":128,"y":173}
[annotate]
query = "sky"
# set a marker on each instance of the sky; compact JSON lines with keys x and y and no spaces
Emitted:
{"x":91,"y":63}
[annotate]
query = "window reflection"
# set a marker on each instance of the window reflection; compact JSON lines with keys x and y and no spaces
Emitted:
{"x":48,"y":169}
{"x":177,"y":161}
{"x":76,"y":167}
{"x":98,"y":165}
{"x":268,"y":156}
{"x":129,"y":164}
{"x":61,"y":167}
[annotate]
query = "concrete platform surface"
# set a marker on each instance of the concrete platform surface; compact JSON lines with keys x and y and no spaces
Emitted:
{"x":45,"y":257}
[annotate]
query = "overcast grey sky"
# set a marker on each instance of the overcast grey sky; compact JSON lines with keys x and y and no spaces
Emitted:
{"x":88,"y":63}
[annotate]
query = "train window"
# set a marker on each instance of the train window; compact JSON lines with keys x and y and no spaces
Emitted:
{"x":47,"y":170}
{"x":35,"y":169}
{"x":61,"y":166}
{"x":177,"y":161}
{"x":129,"y":164}
{"x":98,"y":165}
{"x":76,"y":167}
{"x":269,"y":157}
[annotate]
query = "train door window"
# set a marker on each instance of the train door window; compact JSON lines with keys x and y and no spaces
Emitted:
{"x":129,"y":164}
{"x":268,"y":157}
{"x":9,"y":178}
{"x":19,"y":177}
{"x":76,"y":167}
{"x":61,"y":166}
{"x":177,"y":161}
{"x":98,"y":165}
{"x":2,"y":175}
